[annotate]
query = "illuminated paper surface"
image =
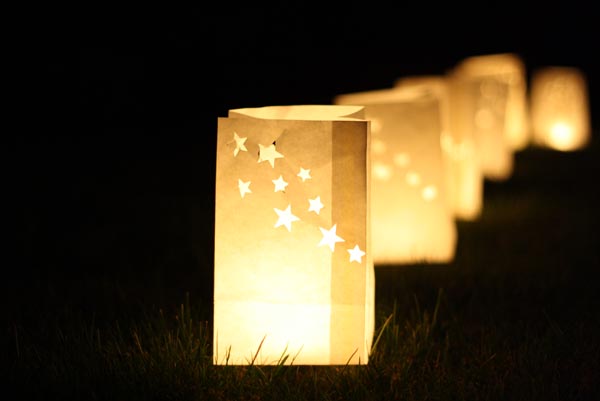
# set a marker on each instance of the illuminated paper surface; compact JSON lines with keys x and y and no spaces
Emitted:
{"x":480,"y":109}
{"x":509,"y":68}
{"x":463,"y":177}
{"x":560,"y":108}
{"x":293,"y":268}
{"x":411,"y":220}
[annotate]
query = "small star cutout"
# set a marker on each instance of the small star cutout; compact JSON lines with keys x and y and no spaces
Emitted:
{"x":280,"y":184}
{"x":429,"y":193}
{"x":378,"y":146}
{"x":376,"y":125}
{"x":304,"y":174}
{"x":315,"y":205}
{"x":382,"y":171}
{"x":330,"y":237}
{"x":356,"y":254}
{"x":285,"y":218}
{"x":401,"y":159}
{"x":268,"y":153}
{"x":244,"y":187}
{"x":413,"y":178}
{"x":239,"y":144}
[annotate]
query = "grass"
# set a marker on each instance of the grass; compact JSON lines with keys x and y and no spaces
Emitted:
{"x":516,"y":315}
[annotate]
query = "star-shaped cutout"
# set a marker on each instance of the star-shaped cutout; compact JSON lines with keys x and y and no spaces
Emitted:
{"x":330,"y":237}
{"x":378,"y":146}
{"x":429,"y":193}
{"x":356,"y":254}
{"x":244,"y":187}
{"x":382,"y":171}
{"x":239,"y":144}
{"x":304,"y":174}
{"x":413,"y":178}
{"x":268,"y":153}
{"x":315,"y":205}
{"x":376,"y":125}
{"x":285,"y":217}
{"x":401,"y":159}
{"x":280,"y":184}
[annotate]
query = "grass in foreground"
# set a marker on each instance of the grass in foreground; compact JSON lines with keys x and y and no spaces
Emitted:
{"x":419,"y":353}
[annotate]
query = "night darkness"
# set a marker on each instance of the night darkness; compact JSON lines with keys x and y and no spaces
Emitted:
{"x":111,"y":172}
{"x":115,"y":93}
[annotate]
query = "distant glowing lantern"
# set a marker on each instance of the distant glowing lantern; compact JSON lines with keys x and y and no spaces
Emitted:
{"x":293,"y":268}
{"x":463,"y":177}
{"x":411,"y":221}
{"x":559,"y":108}
{"x":494,"y":106}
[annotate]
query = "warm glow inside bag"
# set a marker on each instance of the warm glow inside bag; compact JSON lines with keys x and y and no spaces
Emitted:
{"x":411,"y":219}
{"x":560,"y":108}
{"x":293,"y":268}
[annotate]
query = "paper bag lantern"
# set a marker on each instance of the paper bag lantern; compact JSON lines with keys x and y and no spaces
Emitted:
{"x":411,"y":221}
{"x":463,"y":177}
{"x":485,"y":96}
{"x":559,"y":108}
{"x":293,"y":268}
{"x":509,"y":68}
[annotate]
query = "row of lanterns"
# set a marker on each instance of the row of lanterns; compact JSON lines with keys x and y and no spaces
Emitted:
{"x":311,"y":198}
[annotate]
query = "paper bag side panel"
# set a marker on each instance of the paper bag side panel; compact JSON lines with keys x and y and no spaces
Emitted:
{"x":350,"y":279}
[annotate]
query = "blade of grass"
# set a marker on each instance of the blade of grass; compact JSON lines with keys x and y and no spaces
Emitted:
{"x":383,"y":327}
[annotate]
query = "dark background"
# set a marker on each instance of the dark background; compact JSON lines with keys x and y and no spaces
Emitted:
{"x":111,"y":165}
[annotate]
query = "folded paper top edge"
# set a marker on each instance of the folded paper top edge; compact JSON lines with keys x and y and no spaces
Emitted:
{"x":562,"y":70}
{"x":397,"y":94}
{"x":422,"y":80}
{"x":501,"y":63}
{"x":302,"y":112}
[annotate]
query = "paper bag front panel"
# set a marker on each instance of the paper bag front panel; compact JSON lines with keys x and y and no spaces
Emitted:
{"x":283,"y":188}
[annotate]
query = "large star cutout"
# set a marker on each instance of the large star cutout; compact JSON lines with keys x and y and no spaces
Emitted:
{"x":315,"y":205}
{"x":356,"y":254}
{"x":285,"y":217}
{"x":280,"y":184}
{"x":239,"y":144}
{"x":268,"y":153}
{"x":244,"y":187}
{"x":330,"y":237}
{"x":304,"y":174}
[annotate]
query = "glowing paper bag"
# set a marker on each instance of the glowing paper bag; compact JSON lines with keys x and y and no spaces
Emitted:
{"x":483,"y":108}
{"x":293,"y":268}
{"x":411,"y":221}
{"x":560,"y":109}
{"x":463,"y":177}
{"x":510,"y":68}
